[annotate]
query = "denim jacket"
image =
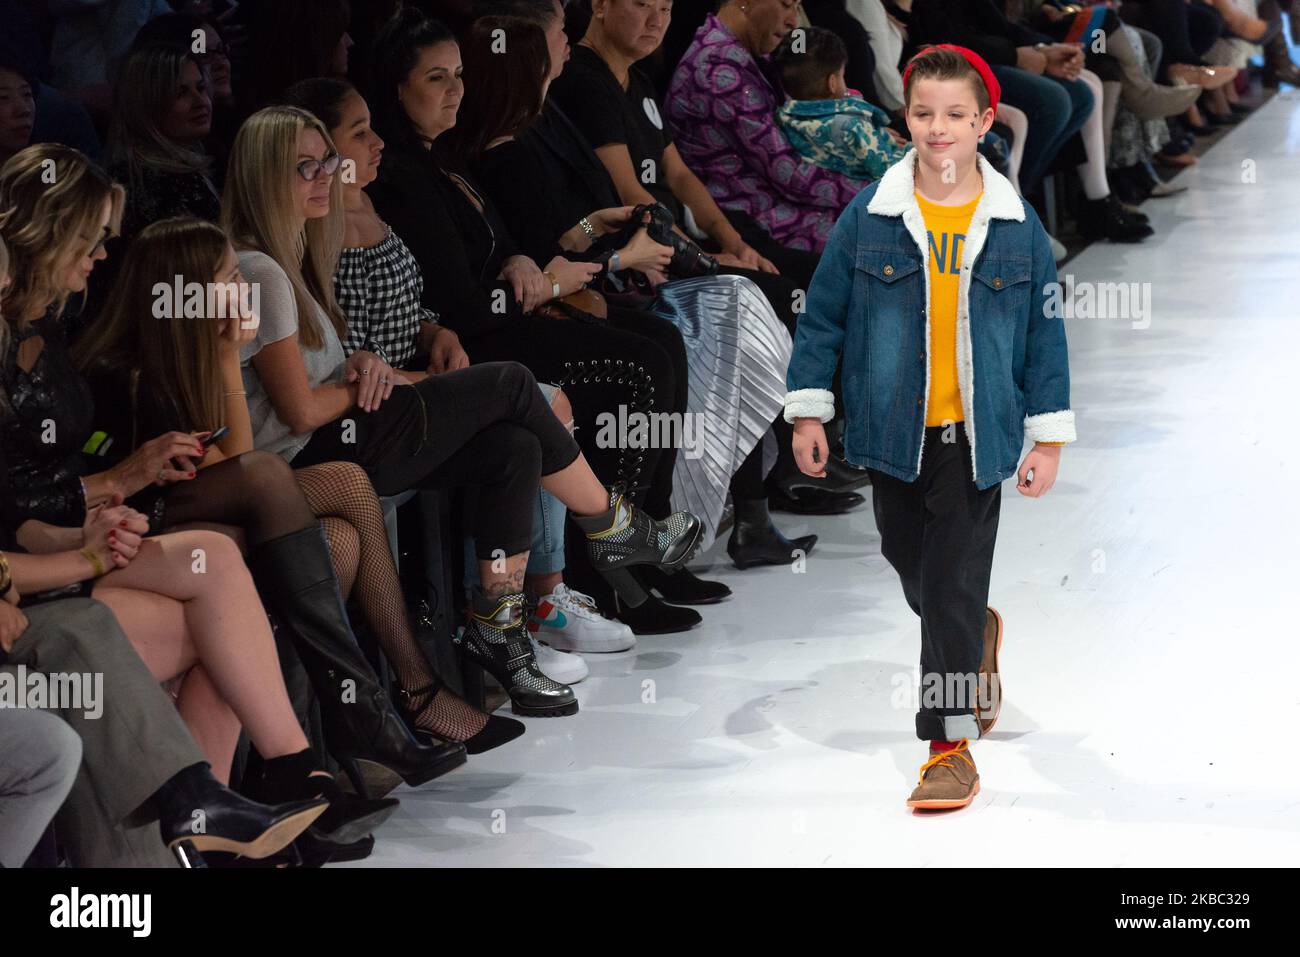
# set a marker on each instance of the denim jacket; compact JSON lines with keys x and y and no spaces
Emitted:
{"x":870,"y":303}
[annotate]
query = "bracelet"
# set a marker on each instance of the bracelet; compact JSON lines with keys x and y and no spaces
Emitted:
{"x":89,"y":555}
{"x":555,"y":283}
{"x":587,"y":228}
{"x":6,"y":579}
{"x":237,"y":392}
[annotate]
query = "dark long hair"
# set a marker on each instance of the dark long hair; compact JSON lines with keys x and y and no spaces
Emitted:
{"x":321,"y":96}
{"x":503,"y":85}
{"x":397,"y":50}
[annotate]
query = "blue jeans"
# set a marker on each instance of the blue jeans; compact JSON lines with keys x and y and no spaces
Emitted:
{"x":1056,"y":108}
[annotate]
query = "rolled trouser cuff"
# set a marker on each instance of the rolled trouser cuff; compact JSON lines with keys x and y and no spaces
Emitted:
{"x":932,"y":726}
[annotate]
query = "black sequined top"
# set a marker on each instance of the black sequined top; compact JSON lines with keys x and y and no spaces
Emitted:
{"x":48,"y":421}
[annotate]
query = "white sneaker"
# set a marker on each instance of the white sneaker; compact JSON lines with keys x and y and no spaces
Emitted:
{"x":568,"y":620}
{"x":562,"y":666}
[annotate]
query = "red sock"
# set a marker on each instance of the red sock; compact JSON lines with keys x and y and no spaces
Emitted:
{"x":943,"y":745}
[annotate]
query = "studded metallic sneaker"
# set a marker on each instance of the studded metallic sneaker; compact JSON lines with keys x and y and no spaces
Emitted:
{"x":497,"y":640}
{"x":624,"y":536}
{"x":948,"y":780}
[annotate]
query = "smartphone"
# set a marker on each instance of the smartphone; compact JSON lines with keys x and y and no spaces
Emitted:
{"x":216,"y":437}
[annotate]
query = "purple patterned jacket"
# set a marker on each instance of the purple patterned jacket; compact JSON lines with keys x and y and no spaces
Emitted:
{"x":722,"y":113}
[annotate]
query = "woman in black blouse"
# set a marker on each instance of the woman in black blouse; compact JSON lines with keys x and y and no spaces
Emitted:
{"x":55,"y":233}
{"x":161,"y":120}
{"x":485,"y":289}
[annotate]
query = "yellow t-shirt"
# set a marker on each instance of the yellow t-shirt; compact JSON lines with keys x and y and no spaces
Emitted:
{"x":945,"y":227}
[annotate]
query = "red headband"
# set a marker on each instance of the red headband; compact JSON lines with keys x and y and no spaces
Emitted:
{"x":974,"y":59}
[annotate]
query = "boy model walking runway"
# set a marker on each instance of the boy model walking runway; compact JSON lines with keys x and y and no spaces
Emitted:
{"x":934,"y":288}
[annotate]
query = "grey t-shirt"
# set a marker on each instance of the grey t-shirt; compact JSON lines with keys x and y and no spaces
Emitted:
{"x":279,"y":314}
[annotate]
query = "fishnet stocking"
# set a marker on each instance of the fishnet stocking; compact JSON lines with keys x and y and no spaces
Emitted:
{"x":341,"y":493}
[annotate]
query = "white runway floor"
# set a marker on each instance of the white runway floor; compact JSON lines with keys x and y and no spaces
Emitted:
{"x":1150,"y":662}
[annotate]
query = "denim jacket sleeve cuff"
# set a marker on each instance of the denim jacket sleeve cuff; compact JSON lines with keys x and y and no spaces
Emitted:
{"x":1049,"y":426}
{"x":809,"y":403}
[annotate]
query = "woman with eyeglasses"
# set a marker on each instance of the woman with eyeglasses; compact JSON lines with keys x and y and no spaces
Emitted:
{"x":203,"y":37}
{"x":55,"y":233}
{"x":487,"y":426}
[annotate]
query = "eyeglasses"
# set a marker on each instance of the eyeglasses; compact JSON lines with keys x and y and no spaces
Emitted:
{"x":311,"y":169}
{"x":99,"y":244}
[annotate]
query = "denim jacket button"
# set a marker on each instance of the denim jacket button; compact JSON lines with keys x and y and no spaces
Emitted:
{"x":888,"y":270}
{"x":997,"y":282}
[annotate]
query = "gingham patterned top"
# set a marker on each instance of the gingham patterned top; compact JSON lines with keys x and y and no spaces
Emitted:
{"x":379,"y":288}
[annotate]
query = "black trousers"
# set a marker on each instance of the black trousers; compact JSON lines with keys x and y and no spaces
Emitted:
{"x":938,"y":533}
{"x":486,"y":426}
{"x":1186,"y":30}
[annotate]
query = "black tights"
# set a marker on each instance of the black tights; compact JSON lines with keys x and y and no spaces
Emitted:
{"x":255,"y":492}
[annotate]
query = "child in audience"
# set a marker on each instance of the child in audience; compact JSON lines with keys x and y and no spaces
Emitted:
{"x":826,"y":122}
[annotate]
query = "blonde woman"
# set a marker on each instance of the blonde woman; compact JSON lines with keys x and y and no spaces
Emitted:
{"x":56,"y":208}
{"x":162,"y":117}
{"x":154,"y":375}
{"x":486,"y":425}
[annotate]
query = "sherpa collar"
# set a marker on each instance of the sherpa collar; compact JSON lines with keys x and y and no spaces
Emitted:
{"x":896,"y":192}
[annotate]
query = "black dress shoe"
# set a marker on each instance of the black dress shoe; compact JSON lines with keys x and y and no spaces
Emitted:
{"x":802,"y":500}
{"x":499,"y":730}
{"x":756,"y":541}
{"x":196,"y":813}
{"x":684,"y":588}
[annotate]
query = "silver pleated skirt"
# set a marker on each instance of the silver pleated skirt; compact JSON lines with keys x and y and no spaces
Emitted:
{"x":737,"y":351}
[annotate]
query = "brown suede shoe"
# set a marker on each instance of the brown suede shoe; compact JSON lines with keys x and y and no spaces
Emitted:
{"x":990,"y":688}
{"x":948,"y":780}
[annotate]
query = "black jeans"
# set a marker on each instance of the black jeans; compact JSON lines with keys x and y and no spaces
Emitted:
{"x":487,"y":426}
{"x":938,"y":533}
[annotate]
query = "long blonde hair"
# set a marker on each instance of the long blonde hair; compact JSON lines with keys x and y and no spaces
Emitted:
{"x":177,"y":355}
{"x":258,"y":210}
{"x":144,"y":92}
{"x":49,"y":194}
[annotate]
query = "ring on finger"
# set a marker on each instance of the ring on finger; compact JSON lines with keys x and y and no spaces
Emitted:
{"x":365,"y":372}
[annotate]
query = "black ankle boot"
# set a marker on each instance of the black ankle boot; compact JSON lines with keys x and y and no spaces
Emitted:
{"x":197,"y":813}
{"x":684,"y":588}
{"x":496,"y":639}
{"x":806,"y":500}
{"x":296,"y":581}
{"x":348,"y":818}
{"x":624,"y":536}
{"x":652,"y":616}
{"x":1107,"y":219}
{"x":756,"y":541}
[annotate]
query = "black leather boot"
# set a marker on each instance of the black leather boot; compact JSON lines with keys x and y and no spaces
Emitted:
{"x":296,"y":581}
{"x":683,"y":587}
{"x":197,"y":813}
{"x":756,"y":541}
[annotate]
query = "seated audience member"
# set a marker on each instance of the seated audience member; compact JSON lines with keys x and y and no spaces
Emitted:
{"x":111,"y":819}
{"x":827,"y":124}
{"x":17,"y":110}
{"x":202,"y":37}
{"x":721,"y":115}
{"x":486,"y":425}
{"x":56,"y":233}
{"x":481,"y":285}
{"x":155,"y":375}
{"x":162,"y":117}
{"x":378,"y":285}
{"x":546,"y":177}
